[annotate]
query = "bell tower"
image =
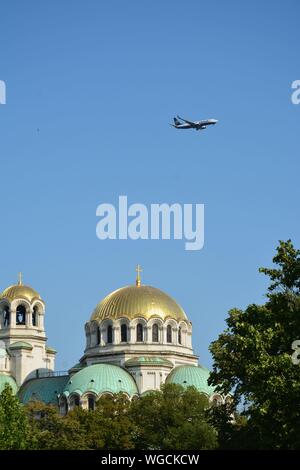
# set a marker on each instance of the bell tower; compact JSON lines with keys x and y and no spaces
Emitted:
{"x":22,"y":333}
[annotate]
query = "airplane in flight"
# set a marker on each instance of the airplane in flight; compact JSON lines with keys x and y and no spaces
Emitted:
{"x":198,"y":125}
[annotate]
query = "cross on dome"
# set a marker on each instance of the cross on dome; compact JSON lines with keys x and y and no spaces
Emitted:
{"x":20,"y":279}
{"x":138,"y":276}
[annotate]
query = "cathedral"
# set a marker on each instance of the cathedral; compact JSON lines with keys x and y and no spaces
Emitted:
{"x":137,"y":338}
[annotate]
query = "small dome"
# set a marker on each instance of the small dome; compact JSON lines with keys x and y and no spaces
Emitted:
{"x":20,"y":291}
{"x":148,"y":361}
{"x":45,"y":389}
{"x":7,"y":379}
{"x":189,"y":375}
{"x":138,"y":301}
{"x":21,"y":345}
{"x":101,"y":378}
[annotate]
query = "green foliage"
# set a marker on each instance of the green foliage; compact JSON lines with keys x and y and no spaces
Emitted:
{"x":232,"y":427}
{"x":286,"y":278}
{"x":252,"y":360}
{"x":52,"y":431}
{"x":174,"y":418}
{"x":109,"y":426}
{"x":15,"y":433}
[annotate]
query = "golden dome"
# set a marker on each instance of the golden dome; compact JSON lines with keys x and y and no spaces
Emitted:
{"x":20,"y":291}
{"x":138,"y":301}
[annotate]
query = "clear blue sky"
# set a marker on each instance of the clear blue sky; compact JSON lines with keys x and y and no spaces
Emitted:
{"x":91,"y":89}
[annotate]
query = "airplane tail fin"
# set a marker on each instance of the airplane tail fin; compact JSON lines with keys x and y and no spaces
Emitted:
{"x":176,"y":122}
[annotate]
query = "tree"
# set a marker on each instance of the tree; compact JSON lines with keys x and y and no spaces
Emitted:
{"x":15,"y":432}
{"x":252,"y":359}
{"x":173,"y":418}
{"x":107,"y":427}
{"x":53,"y":431}
{"x":111,"y":426}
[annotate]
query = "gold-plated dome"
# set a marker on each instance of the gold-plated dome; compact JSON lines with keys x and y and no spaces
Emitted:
{"x":20,"y":291}
{"x":138,"y":301}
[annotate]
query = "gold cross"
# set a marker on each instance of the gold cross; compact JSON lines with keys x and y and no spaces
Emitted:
{"x":138,"y":277}
{"x":20,"y":279}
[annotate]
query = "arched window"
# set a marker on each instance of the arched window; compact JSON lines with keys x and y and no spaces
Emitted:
{"x":169,"y":334}
{"x":139,"y":332}
{"x":6,"y":316}
{"x":98,"y":335}
{"x":76,"y":400}
{"x":91,"y":403}
{"x":179,"y":335}
{"x":228,"y":400}
{"x":124,"y":333}
{"x":34,"y":315}
{"x":64,"y":408}
{"x":217,"y":400}
{"x":109,"y":334}
{"x":20,"y":315}
{"x":155,"y":333}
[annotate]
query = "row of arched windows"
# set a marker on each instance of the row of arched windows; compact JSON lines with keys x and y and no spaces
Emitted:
{"x":90,"y":402}
{"x":76,"y":401}
{"x":139,"y":334}
{"x":20,"y":316}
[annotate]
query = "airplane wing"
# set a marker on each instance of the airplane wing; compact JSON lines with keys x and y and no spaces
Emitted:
{"x":191,"y":123}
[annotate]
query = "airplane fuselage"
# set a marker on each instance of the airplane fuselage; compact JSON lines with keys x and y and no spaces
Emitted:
{"x":197,"y":125}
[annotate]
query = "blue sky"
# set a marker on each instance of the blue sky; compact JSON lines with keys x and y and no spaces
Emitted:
{"x":91,"y":89}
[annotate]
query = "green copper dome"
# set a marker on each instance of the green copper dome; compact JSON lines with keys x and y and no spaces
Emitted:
{"x":45,"y":389}
{"x":101,"y":378}
{"x":188,"y":376}
{"x":21,"y":345}
{"x":148,"y":361}
{"x":7,"y":379}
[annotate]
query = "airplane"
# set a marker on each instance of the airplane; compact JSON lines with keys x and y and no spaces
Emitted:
{"x":198,"y":125}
